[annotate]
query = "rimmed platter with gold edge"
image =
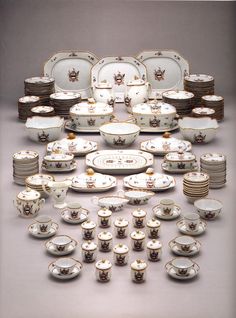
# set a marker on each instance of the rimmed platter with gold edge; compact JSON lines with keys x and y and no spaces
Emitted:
{"x":149,"y":181}
{"x":166,"y":70}
{"x":117,"y":71}
{"x":91,"y":181}
{"x":119,"y":161}
{"x":71,"y":71}
{"x":160,"y":146}
{"x":72,"y":144}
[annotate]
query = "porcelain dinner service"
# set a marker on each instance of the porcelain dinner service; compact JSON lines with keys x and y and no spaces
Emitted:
{"x":139,"y":218}
{"x":73,"y":213}
{"x":63,"y":101}
{"x":120,"y":254}
{"x":43,"y":227}
{"x":203,"y":112}
{"x":61,"y":245}
{"x":36,"y":181}
{"x":58,"y":191}
{"x":103,"y":92}
{"x":185,"y":246}
{"x":88,"y":229}
{"x":208,"y":208}
{"x":191,"y":224}
{"x":25,"y":163}
{"x":214,"y":164}
{"x":25,"y":106}
{"x":104,"y":241}
{"x":182,"y":268}
{"x":137,"y":240}
{"x":216,"y":103}
{"x":104,"y":217}
{"x":65,"y":268}
{"x":166,"y":210}
{"x":111,"y":202}
{"x":121,"y":227}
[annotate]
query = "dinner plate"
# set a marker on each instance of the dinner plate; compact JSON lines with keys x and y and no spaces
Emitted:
{"x":117,"y":71}
{"x":166,"y":70}
{"x":71,"y":71}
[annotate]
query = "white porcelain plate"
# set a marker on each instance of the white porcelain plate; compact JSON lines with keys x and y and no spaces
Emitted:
{"x":117,"y":71}
{"x":165,"y":70}
{"x":71,"y":71}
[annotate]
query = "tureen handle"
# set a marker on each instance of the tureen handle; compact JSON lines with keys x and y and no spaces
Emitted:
{"x":95,"y":200}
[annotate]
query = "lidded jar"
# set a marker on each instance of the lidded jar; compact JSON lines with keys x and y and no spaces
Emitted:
{"x":121,"y":227}
{"x":153,"y":228}
{"x":154,"y":248}
{"x":88,"y":229}
{"x":104,"y":241}
{"x":89,"y":251}
{"x":139,"y":217}
{"x":104,"y":217}
{"x":138,"y":271}
{"x":137,"y":240}
{"x":103,"y":270}
{"x":120,"y":254}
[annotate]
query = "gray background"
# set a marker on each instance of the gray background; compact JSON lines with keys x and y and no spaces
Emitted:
{"x":31,"y":31}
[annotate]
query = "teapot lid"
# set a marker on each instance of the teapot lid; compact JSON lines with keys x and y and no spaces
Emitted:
{"x":28,"y":194}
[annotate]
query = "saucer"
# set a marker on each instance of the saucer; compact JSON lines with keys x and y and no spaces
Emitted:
{"x":54,"y":251}
{"x":175,"y":249}
{"x":182,"y":227}
{"x":55,"y":272}
{"x":67,"y":218}
{"x":193,"y":272}
{"x":36,"y":233}
{"x":159,"y":214}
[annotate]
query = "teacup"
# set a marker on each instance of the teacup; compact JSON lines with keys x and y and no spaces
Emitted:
{"x":61,"y":242}
{"x":167,"y":206}
{"x":74,"y":209}
{"x":185,"y":243}
{"x":182,"y":265}
{"x":43,"y":223}
{"x":65,"y":265}
{"x":192,"y":221}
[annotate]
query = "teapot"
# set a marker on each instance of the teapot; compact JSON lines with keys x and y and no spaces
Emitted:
{"x":58,"y":190}
{"x":103,"y":92}
{"x":137,"y":92}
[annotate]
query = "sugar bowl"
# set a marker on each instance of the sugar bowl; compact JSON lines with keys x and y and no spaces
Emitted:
{"x":154,"y":249}
{"x":104,"y":217}
{"x":89,"y":251}
{"x":137,"y":240}
{"x":138,"y":271}
{"x":104,"y":241}
{"x":88,"y":229}
{"x":153,"y":228}
{"x":120,"y":252}
{"x":28,"y":203}
{"x":103,"y":270}
{"x":139,"y":218}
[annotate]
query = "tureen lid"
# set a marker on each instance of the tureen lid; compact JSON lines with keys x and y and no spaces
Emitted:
{"x":103,"y":264}
{"x":178,"y":94}
{"x":104,"y":212}
{"x":154,"y":244}
{"x":59,"y":157}
{"x":98,"y":180}
{"x":153,"y":223}
{"x":28,"y":194}
{"x":137,"y":235}
{"x":89,"y":224}
{"x":154,"y":107}
{"x":89,"y":245}
{"x":121,"y":222}
{"x":139,"y":265}
{"x":91,"y":108}
{"x":105,"y":236}
{"x":120,"y":249}
{"x":180,"y":156}
{"x":139,"y":213}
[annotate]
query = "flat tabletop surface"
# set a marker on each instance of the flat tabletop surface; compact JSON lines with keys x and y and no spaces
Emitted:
{"x":27,"y":290}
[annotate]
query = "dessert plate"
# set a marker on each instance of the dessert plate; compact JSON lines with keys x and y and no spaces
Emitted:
{"x":183,"y":229}
{"x":56,"y":273}
{"x":33,"y":230}
{"x":166,"y":70}
{"x":80,"y":219}
{"x":171,"y":271}
{"x":117,"y":71}
{"x":71,"y":71}
{"x":119,"y":161}
{"x":160,"y":215}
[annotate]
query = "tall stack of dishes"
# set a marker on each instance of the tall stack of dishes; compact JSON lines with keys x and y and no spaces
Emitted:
{"x":195,"y":185}
{"x":25,"y":164}
{"x":63,"y":101}
{"x":214,"y":164}
{"x":182,"y":100}
{"x":25,"y":104}
{"x":215,"y":102}
{"x":199,"y":85}
{"x":36,"y":182}
{"x":42,"y":87}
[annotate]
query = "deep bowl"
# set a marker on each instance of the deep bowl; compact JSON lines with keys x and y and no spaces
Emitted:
{"x":208,"y":208}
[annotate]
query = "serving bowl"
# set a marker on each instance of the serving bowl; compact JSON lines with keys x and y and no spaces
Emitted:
{"x":198,"y":130}
{"x":120,"y":134}
{"x":137,"y":197}
{"x":208,"y":208}
{"x":44,"y":129}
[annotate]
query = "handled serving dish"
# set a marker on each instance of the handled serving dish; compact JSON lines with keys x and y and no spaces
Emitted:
{"x":59,"y":162}
{"x":179,"y":162}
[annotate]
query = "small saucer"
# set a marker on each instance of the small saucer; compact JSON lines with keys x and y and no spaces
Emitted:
{"x":182,"y":227}
{"x":160,"y":215}
{"x":175,"y":249}
{"x":193,"y":272}
{"x":54,"y":251}
{"x":67,"y":218}
{"x":55,"y":272}
{"x":36,"y":233}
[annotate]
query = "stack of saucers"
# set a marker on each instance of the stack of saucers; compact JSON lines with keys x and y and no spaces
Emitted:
{"x":37,"y":181}
{"x":214,"y":164}
{"x":40,"y":86}
{"x":63,"y":101}
{"x":199,"y":85}
{"x":25,"y":104}
{"x":195,"y":185}
{"x":25,"y":163}
{"x":182,"y":100}
{"x":215,"y":102}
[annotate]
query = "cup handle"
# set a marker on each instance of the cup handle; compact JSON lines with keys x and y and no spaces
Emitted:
{"x":95,"y":200}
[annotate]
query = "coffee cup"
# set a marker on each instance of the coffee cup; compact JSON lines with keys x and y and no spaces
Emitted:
{"x":182,"y":265}
{"x":43,"y":223}
{"x":167,"y":206}
{"x":65,"y":265}
{"x":61,"y":242}
{"x":74,"y":209}
{"x":192,"y":221}
{"x":185,"y":243}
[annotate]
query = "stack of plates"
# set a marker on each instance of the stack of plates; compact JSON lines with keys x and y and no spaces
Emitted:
{"x":215,"y":102}
{"x":199,"y":85}
{"x":25,"y":163}
{"x":40,"y":86}
{"x":203,"y":112}
{"x":36,"y":181}
{"x":195,"y":185}
{"x":25,"y":104}
{"x":63,"y":101}
{"x":182,"y":100}
{"x":43,"y":111}
{"x":214,"y":164}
